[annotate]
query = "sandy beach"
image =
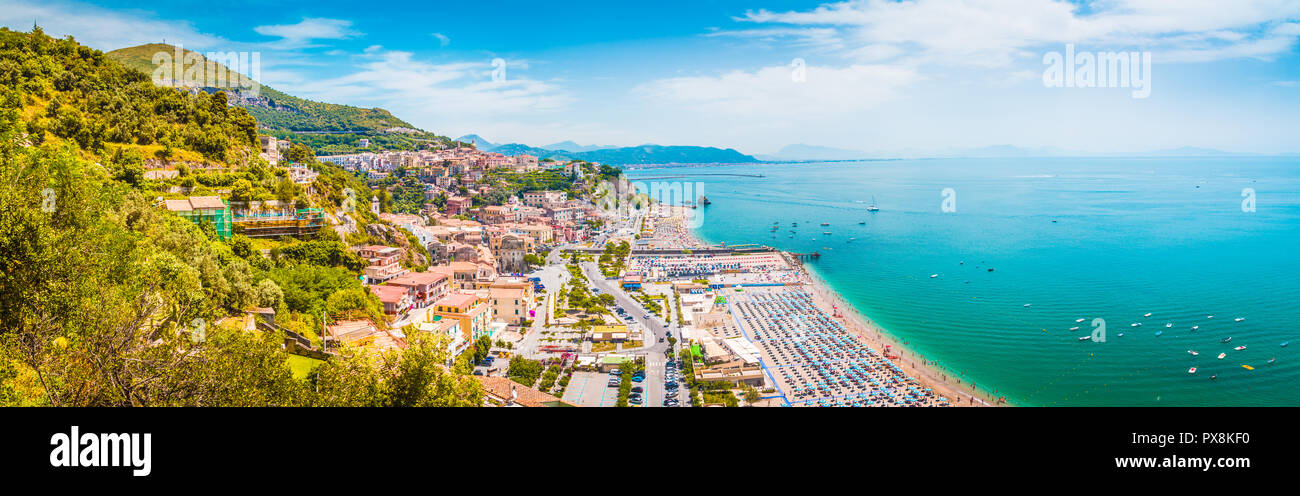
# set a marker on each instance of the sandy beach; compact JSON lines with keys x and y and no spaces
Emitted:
{"x":875,"y":336}
{"x":944,"y":383}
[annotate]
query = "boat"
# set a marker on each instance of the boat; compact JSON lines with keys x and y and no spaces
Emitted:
{"x":1213,"y":377}
{"x":1121,"y":334}
{"x":1284,"y":343}
{"x":1247,"y":367}
{"x":1027,"y":305}
{"x":1209,"y":316}
{"x":1226,"y":340}
{"x":1136,"y":324}
{"x":1148,"y":314}
{"x":863,"y":223}
{"x":1195,"y":327}
{"x":1168,"y":325}
{"x":1239,"y":348}
{"x":826,"y":223}
{"x":1271,"y":360}
{"x":704,"y":200}
{"x":1078,"y":320}
{"x":990,"y":269}
{"x":1193,"y":353}
{"x":1159,"y":332}
{"x":1238,"y":319}
{"x":1191,"y":370}
{"x":1074,"y":328}
{"x":1221,"y":355}
{"x":932,"y":276}
{"x":826,"y":233}
{"x":1084,"y":338}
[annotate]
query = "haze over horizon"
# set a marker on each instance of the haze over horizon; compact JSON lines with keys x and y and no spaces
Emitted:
{"x":883,"y":77}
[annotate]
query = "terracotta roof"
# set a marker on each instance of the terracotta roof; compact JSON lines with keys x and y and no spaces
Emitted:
{"x":389,"y":294}
{"x":207,"y":202}
{"x":500,"y":388}
{"x":457,"y":300}
{"x":417,"y":278}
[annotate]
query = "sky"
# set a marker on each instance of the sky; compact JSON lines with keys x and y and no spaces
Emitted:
{"x":882,"y":76}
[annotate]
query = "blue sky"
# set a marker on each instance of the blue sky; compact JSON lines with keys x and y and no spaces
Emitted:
{"x":891,"y":78}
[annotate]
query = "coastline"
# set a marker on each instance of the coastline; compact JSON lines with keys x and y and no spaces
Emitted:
{"x":958,"y":391}
{"x":878,"y":337}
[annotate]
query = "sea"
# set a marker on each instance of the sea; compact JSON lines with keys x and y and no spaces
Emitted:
{"x":1021,"y":248}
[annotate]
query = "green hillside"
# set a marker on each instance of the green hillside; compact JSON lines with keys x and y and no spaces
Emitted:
{"x":109,"y":299}
{"x":277,"y":110}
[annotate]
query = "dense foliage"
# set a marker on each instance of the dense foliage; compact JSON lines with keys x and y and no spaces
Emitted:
{"x":108,"y":300}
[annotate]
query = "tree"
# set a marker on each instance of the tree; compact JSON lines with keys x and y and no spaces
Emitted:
{"x":268,"y":294}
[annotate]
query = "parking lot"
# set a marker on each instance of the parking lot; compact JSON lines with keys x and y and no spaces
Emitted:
{"x":590,"y":389}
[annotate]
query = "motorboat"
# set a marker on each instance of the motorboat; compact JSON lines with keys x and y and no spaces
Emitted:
{"x":932,"y":276}
{"x":1078,"y":320}
{"x":1148,"y":314}
{"x":1239,"y":348}
{"x":1085,"y":338}
{"x":1221,"y":355}
{"x":1074,"y":328}
{"x":1226,"y":340}
{"x":1193,"y":353}
{"x":1238,"y":319}
{"x":1191,"y":370}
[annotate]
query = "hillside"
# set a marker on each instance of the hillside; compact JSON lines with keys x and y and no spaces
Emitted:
{"x":278,"y":110}
{"x":110,"y":297}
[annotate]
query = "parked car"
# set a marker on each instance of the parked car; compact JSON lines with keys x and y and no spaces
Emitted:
{"x":638,"y":389}
{"x":616,"y":372}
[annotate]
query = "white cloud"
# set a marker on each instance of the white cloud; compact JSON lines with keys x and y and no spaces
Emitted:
{"x":773,"y":92}
{"x":443,"y":40}
{"x":103,"y":29}
{"x":308,"y":30}
{"x":995,"y":33}
{"x":436,"y":95}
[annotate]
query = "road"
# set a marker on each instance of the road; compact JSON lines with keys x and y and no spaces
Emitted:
{"x":655,"y":328}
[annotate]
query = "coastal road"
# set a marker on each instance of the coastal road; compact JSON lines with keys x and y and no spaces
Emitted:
{"x":654,"y":329}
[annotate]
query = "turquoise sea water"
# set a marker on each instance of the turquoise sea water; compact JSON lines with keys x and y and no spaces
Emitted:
{"x":1132,"y":235}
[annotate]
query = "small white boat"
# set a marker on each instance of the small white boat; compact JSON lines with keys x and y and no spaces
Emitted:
{"x":1221,"y":355}
{"x":1078,"y":320}
{"x":1195,"y":327}
{"x":1191,"y":370}
{"x":1193,"y":353}
{"x":1159,"y":333}
{"x":1148,"y":314}
{"x":1171,"y":324}
{"x":1085,"y":338}
{"x":1121,"y":334}
{"x":826,"y":223}
{"x":1209,"y":316}
{"x":1136,"y":324}
{"x":1074,"y":328}
{"x":1027,"y":305}
{"x":1239,"y":348}
{"x":1238,"y":319}
{"x":932,"y":276}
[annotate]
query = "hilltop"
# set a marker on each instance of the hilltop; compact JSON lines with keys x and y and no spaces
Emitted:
{"x":328,"y":128}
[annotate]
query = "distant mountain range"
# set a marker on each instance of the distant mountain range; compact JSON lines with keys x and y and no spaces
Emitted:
{"x":628,"y":155}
